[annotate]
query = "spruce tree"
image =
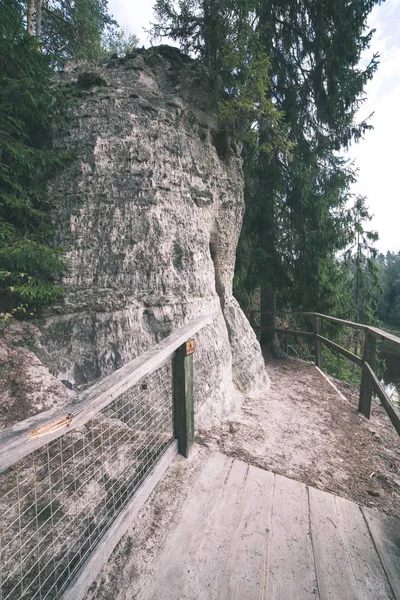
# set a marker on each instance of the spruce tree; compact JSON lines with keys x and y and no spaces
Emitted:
{"x":70,"y":29}
{"x":36,"y":36}
{"x":315,"y":49}
{"x":29,"y":266}
{"x":296,"y":217}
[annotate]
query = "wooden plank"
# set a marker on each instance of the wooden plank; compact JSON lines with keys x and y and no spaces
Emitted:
{"x":332,"y":563}
{"x":380,"y":334}
{"x":385,"y":532}
{"x":322,"y":316}
{"x":246,"y":570}
{"x":387,"y":404}
{"x":317,"y":342}
{"x":369,"y":357}
{"x":17,"y":441}
{"x":182,"y":375}
{"x":365,"y":563}
{"x":208,"y":561}
{"x":292,"y":569}
{"x":342,"y":322}
{"x":288,"y":331}
{"x":353,"y":357}
{"x":99,"y":557}
{"x":179,"y":557}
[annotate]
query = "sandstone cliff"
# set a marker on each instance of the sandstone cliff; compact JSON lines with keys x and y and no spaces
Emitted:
{"x":150,"y":209}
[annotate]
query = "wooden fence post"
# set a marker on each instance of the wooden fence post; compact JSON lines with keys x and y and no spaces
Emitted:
{"x":317,"y":343}
{"x":369,"y":356}
{"x":183,"y":397}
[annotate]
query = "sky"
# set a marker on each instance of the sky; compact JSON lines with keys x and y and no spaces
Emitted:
{"x":377,"y":157}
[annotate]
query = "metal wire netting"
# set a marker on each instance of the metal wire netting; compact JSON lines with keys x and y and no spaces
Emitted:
{"x":57,"y":502}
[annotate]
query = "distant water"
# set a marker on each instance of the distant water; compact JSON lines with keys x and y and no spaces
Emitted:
{"x":391,"y":377}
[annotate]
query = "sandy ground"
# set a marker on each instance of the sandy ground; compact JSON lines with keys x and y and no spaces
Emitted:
{"x":303,"y":429}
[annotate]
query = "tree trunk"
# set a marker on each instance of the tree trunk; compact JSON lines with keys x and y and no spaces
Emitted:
{"x":30,"y":21}
{"x":268,"y":186}
{"x":268,"y":316}
{"x":268,"y":242}
{"x":268,"y":309}
{"x":38,"y":20}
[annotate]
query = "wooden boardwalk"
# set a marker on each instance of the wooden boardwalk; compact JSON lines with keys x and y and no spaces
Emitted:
{"x":246,"y":534}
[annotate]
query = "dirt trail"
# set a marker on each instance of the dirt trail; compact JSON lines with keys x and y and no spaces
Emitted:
{"x":303,"y":429}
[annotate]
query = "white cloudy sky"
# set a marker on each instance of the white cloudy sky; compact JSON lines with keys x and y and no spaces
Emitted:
{"x":378,"y":155}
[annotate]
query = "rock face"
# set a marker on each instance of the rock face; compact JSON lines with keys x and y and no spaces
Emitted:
{"x":150,"y":208}
{"x":26,"y":385}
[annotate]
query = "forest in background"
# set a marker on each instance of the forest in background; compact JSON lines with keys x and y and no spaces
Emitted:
{"x":286,"y":79}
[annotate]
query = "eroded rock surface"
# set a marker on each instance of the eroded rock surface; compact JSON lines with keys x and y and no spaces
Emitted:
{"x":26,"y":384}
{"x":151,"y":209}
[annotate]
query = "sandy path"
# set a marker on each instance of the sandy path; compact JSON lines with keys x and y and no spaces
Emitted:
{"x":303,"y":429}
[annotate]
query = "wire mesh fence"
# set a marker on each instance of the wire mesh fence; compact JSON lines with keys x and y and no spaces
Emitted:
{"x":57,"y":502}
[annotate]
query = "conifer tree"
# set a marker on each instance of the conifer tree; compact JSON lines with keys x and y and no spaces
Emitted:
{"x":29,"y":267}
{"x":295,"y":218}
{"x":315,"y":49}
{"x":69,"y":29}
{"x":35,"y":37}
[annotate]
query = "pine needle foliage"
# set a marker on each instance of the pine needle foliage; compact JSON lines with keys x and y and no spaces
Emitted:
{"x":290,"y":71}
{"x":221,"y":35}
{"x":75,"y":30}
{"x":29,"y":267}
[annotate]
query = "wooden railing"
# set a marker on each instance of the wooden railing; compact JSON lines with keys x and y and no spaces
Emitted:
{"x":72,"y":479}
{"x":369,"y":379}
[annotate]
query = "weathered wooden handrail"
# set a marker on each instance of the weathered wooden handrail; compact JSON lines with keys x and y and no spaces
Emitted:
{"x":26,"y":436}
{"x":367,"y":363}
{"x":288,"y":331}
{"x":349,"y":355}
{"x":380,"y":334}
{"x":134,"y":423}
